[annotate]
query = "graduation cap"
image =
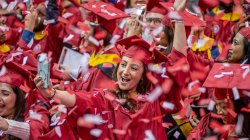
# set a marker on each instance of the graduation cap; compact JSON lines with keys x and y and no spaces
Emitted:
{"x":189,"y":18}
{"x":228,"y":76}
{"x":136,"y":47}
{"x":15,"y":72}
{"x":246,"y":33}
{"x":151,"y":4}
{"x":159,"y":9}
{"x":107,"y":14}
{"x":38,"y":1}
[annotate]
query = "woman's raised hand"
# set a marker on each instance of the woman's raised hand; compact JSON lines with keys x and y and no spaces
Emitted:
{"x":180,"y":5}
{"x":47,"y":92}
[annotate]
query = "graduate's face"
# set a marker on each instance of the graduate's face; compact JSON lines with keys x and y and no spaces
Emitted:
{"x":154,"y":20}
{"x":7,"y":100}
{"x":222,"y":107}
{"x":135,"y":3}
{"x":129,"y":73}
{"x":236,"y":52}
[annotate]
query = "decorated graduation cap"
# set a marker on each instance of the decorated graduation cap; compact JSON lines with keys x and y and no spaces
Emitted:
{"x":246,"y":33}
{"x":107,"y":14}
{"x":16,"y":69}
{"x":189,"y":18}
{"x":151,"y":4}
{"x":228,"y":76}
{"x":137,"y":48}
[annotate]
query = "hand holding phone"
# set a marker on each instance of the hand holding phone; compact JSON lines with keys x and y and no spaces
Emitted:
{"x":44,"y":69}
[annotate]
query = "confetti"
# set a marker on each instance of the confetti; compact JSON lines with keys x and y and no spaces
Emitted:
{"x":236,"y":93}
{"x":155,"y":94}
{"x":239,"y":125}
{"x":119,"y":131}
{"x":211,"y":105}
{"x":67,"y":15}
{"x":149,"y":135}
{"x":58,"y":131}
{"x":96,"y":132}
{"x":68,"y":38}
{"x":168,"y":105}
{"x":3,"y":70}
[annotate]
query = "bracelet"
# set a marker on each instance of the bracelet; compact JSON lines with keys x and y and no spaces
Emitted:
{"x":53,"y":94}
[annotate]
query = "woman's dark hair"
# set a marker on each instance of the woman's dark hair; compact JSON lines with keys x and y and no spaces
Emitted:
{"x":169,"y":34}
{"x":246,"y":56}
{"x":20,"y":107}
{"x":228,"y":7}
{"x":128,"y":4}
{"x":142,"y":87}
{"x":238,"y":105}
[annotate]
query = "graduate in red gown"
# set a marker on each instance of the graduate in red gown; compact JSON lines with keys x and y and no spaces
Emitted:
{"x":23,"y":112}
{"x":131,"y":110}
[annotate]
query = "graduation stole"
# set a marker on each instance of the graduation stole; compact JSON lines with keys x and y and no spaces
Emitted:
{"x":40,"y":35}
{"x":234,"y":16}
{"x":206,"y":47}
{"x":4,"y":48}
{"x":102,"y":58}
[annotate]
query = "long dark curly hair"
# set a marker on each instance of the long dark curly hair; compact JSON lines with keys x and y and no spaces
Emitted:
{"x":142,"y":87}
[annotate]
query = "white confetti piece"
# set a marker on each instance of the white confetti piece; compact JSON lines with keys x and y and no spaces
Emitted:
{"x":247,"y":70}
{"x":25,"y":60}
{"x":67,"y":15}
{"x":29,"y":45}
{"x":168,"y":105}
{"x":58,"y":131}
{"x":174,"y":15}
{"x":211,"y":105}
{"x":96,"y":132}
{"x":3,"y":70}
{"x":247,"y":93}
{"x":246,"y":24}
{"x":47,"y":22}
{"x":236,"y":93}
{"x":155,"y":94}
{"x":95,"y":119}
{"x":11,"y":6}
{"x":3,"y":4}
{"x":94,"y":41}
{"x":122,"y":23}
{"x":159,"y":47}
{"x":202,"y":90}
{"x":149,"y":135}
{"x":68,"y":38}
{"x":62,"y":108}
{"x":191,"y":84}
{"x":244,"y":62}
{"x":177,"y":134}
{"x":35,"y":115}
{"x":239,"y":125}
{"x":114,"y":39}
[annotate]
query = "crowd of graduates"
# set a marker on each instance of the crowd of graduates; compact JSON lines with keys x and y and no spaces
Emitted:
{"x":124,"y":69}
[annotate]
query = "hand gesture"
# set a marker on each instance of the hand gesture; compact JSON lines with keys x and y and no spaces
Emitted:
{"x":47,"y":92}
{"x":180,"y":5}
{"x":3,"y":124}
{"x":30,"y":21}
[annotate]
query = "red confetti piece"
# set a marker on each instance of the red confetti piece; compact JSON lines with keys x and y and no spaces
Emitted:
{"x":144,"y":120}
{"x":100,"y":35}
{"x":216,"y":116}
{"x":63,"y":20}
{"x":202,"y":112}
{"x":167,"y":125}
{"x":167,"y":85}
{"x":152,"y":78}
{"x":119,"y":131}
{"x":107,"y":65}
{"x":232,"y":113}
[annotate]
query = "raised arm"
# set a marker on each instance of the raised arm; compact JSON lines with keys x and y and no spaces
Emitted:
{"x":180,"y":32}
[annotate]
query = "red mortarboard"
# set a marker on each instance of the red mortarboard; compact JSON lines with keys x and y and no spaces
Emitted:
{"x":106,"y":14}
{"x":189,"y":18}
{"x":151,"y":4}
{"x":159,"y":9}
{"x":222,"y":76}
{"x":17,"y":72}
{"x":136,"y":47}
{"x":230,"y":76}
{"x":246,"y":33}
{"x":38,"y":1}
